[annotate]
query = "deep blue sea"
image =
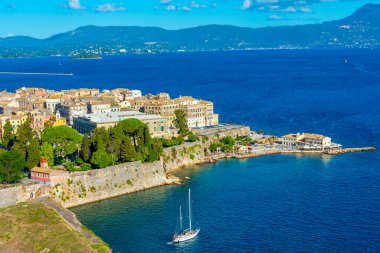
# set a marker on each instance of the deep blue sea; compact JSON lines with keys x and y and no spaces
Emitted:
{"x":281,"y":203}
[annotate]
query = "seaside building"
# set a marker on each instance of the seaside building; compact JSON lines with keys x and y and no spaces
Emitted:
{"x":158,"y":125}
{"x":306,"y":141}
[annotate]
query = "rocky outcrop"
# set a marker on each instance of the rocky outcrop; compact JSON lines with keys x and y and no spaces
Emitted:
{"x":187,"y":154}
{"x":84,"y":187}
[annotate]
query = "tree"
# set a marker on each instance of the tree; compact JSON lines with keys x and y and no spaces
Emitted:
{"x":8,"y":134}
{"x":155,"y":150}
{"x":101,"y":158}
{"x":64,"y":139}
{"x":180,"y":122}
{"x":33,"y":154}
{"x":85,"y":151}
{"x":192,"y":137}
{"x":11,"y":167}
{"x":127,"y":151}
{"x":116,"y":137}
{"x":47,"y":151}
{"x":23,"y":138}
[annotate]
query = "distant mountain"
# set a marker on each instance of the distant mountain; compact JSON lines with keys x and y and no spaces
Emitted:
{"x":360,"y":30}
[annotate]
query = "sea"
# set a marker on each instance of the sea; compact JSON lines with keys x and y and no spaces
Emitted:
{"x":280,"y":203}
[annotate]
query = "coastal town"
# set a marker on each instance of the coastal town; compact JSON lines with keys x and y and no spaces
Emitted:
{"x":72,"y":147}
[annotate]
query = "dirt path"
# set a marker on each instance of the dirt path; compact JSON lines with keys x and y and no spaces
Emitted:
{"x":70,"y":218}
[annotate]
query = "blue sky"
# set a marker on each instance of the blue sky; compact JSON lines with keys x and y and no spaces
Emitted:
{"x":43,"y":18}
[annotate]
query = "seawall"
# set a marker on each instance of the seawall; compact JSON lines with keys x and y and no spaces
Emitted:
{"x":185,"y":155}
{"x":80,"y":188}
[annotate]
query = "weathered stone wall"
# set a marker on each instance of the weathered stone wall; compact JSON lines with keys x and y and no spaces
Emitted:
{"x":18,"y":193}
{"x":184,"y":155}
{"x":90,"y":186}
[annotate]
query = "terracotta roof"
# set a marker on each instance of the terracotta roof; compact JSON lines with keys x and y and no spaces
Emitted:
{"x":314,"y":136}
{"x":41,"y":170}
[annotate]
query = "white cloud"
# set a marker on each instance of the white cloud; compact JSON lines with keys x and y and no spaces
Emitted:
{"x":290,"y":9}
{"x":274,"y":7}
{"x":275,"y":17}
{"x":194,"y":4}
{"x":74,"y":4}
{"x":306,"y":9}
{"x":267,"y":1}
{"x":185,"y":8}
{"x":247,"y":4}
{"x":171,"y":7}
{"x":108,"y":7}
{"x":165,"y":1}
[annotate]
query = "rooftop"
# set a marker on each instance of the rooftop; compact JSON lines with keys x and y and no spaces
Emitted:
{"x":118,"y":116}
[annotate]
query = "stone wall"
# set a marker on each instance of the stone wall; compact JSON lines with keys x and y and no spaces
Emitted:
{"x":187,"y":154}
{"x":90,"y":186}
{"x":18,"y":193}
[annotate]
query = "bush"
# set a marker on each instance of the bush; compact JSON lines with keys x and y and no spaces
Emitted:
{"x":85,"y":167}
{"x":192,"y":137}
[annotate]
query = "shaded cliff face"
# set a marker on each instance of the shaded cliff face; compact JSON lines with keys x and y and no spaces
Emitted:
{"x":85,"y":187}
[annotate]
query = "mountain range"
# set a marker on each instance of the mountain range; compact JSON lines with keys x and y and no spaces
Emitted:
{"x":359,"y":30}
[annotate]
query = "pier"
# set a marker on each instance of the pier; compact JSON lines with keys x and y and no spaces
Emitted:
{"x":348,"y":150}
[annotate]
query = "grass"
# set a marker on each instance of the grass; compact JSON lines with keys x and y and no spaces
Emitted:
{"x":32,"y":227}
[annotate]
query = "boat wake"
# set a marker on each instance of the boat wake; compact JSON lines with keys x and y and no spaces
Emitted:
{"x":170,"y":243}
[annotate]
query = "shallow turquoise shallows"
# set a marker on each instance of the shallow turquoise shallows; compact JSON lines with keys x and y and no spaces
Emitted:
{"x":278,"y":203}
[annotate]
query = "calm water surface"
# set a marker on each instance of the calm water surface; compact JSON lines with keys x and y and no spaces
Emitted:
{"x":268,"y":204}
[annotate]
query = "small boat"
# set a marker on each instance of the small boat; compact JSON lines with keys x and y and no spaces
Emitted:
{"x":185,"y":234}
{"x":187,"y":178}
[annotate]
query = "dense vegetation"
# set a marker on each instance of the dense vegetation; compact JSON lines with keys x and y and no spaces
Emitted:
{"x":128,"y":141}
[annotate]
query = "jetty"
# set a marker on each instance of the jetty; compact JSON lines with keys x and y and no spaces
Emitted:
{"x":348,"y":150}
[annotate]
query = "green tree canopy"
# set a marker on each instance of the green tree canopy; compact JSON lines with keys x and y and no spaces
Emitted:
{"x":64,"y":139}
{"x":101,"y":158}
{"x":8,"y":134}
{"x":33,"y":154}
{"x":180,"y":122}
{"x":11,"y":167}
{"x":47,"y":151}
{"x":23,"y":138}
{"x":85,"y":150}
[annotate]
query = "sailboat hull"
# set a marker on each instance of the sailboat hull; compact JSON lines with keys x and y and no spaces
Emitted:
{"x":186,"y":235}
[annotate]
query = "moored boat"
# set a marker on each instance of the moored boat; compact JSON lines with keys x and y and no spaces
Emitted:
{"x":186,"y":234}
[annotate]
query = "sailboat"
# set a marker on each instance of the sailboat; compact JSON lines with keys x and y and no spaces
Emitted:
{"x":189,"y":233}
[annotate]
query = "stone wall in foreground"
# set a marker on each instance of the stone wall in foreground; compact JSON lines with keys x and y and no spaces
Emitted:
{"x":85,"y":187}
{"x":18,"y":193}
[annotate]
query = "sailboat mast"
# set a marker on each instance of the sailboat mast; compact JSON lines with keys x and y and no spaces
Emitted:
{"x":180,"y":216}
{"x":190,"y":209}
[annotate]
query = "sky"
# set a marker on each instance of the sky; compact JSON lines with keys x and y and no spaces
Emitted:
{"x":43,"y":18}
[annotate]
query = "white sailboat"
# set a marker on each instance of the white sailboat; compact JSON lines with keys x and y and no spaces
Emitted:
{"x":189,"y":233}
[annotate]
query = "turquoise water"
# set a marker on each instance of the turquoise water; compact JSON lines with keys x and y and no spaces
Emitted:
{"x":266,"y":204}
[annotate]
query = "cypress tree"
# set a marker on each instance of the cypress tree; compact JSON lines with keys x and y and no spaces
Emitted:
{"x":85,"y":152}
{"x":33,"y":154}
{"x":127,"y":150}
{"x":8,"y":134}
{"x":23,"y":138}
